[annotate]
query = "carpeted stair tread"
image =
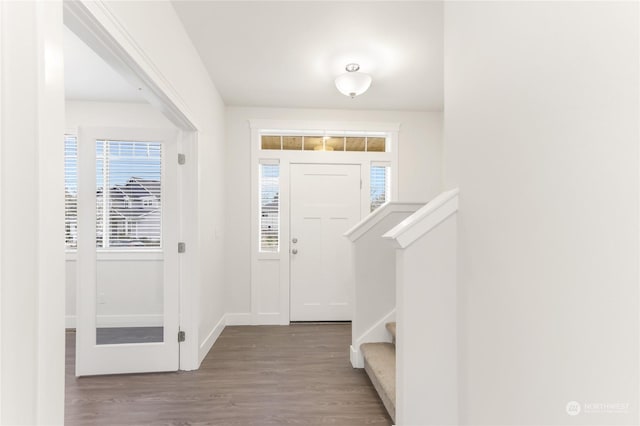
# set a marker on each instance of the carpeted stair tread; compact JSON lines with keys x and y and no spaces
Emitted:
{"x":391,"y":326}
{"x":380,"y":365}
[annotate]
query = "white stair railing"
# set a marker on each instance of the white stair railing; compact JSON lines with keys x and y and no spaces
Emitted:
{"x":374,"y":297}
{"x":426,"y":314}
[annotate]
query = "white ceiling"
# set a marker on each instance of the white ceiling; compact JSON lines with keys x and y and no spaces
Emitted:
{"x":87,"y":77}
{"x":287,"y":54}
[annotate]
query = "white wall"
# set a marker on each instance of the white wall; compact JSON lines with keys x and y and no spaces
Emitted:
{"x":163,"y":50}
{"x":541,"y":136}
{"x":144,"y":309}
{"x":31,"y":214}
{"x":113,"y":114}
{"x":419,"y":178}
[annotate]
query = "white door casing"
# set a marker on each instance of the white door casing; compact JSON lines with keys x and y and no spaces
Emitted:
{"x":270,"y":272}
{"x":325,"y":203}
{"x":93,"y":358}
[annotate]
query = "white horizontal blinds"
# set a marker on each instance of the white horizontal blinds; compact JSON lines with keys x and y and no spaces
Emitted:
{"x":379,"y":185}
{"x":70,"y":191}
{"x":269,"y":207}
{"x":128,"y":194}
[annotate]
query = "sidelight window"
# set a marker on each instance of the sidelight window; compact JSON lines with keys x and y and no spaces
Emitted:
{"x":269,"y":207}
{"x":70,"y":192}
{"x":379,"y":185}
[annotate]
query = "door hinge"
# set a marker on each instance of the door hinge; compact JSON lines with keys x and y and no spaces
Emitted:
{"x":182,"y":247}
{"x":182,"y":159}
{"x":360,"y":183}
{"x":181,"y":336}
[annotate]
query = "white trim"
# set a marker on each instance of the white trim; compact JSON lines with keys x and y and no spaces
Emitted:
{"x":255,"y":224}
{"x":95,"y":23}
{"x":638,"y":263}
{"x":354,"y":357}
{"x":425,"y":219}
{"x":376,"y":333}
{"x":188,"y":262}
{"x":124,"y":255}
{"x":286,"y":158}
{"x":137,"y":320}
{"x":380,"y":213}
{"x":321,"y":126}
{"x":32,"y":280}
{"x":208,"y":342}
{"x":99,"y":27}
{"x":3,"y":138}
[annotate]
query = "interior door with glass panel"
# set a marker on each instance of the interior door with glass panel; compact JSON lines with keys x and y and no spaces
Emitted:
{"x":127,"y":300}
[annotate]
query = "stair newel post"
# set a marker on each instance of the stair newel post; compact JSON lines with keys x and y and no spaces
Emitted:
{"x":426,"y":314}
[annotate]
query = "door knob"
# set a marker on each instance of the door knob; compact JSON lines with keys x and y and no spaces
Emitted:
{"x":294,"y":251}
{"x":295,"y":240}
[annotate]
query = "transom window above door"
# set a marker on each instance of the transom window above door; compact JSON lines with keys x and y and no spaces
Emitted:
{"x":350,"y":143}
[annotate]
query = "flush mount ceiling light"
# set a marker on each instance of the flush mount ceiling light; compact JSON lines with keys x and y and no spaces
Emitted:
{"x":353,"y":83}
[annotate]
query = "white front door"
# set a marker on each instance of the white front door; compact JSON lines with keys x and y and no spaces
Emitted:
{"x":127,"y":303}
{"x":325,"y":203}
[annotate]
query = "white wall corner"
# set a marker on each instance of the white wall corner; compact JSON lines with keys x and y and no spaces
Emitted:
{"x":208,"y":342}
{"x":32,"y":348}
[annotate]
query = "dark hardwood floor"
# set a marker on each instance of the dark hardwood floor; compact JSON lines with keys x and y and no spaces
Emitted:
{"x":265,"y":375}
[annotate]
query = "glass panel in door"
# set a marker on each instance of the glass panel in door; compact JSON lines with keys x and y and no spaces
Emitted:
{"x":129,"y":269}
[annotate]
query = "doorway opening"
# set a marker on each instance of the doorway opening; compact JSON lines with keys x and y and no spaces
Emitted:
{"x":126,"y":207}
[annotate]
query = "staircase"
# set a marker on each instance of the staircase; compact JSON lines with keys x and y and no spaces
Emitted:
{"x":405,"y":269}
{"x":380,"y":365}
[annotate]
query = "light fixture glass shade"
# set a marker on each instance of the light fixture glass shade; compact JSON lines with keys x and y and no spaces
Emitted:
{"x":353,"y":83}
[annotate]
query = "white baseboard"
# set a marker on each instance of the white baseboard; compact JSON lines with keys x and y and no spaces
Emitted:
{"x":238,"y":318}
{"x":211,"y":338}
{"x":355,"y":358}
{"x":143,"y":320}
{"x":376,"y":333}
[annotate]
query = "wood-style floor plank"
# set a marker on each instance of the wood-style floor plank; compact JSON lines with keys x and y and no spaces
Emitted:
{"x":264,"y":375}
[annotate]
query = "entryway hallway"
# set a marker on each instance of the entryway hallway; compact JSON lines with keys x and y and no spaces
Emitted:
{"x":254,"y":375}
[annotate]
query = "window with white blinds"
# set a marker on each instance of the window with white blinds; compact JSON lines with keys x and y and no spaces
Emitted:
{"x":379,"y":185}
{"x":269,"y":188}
{"x":70,"y":192}
{"x":128,"y":194}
